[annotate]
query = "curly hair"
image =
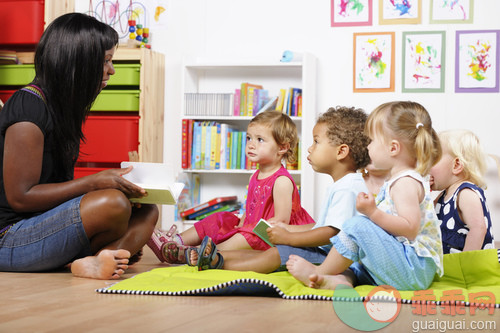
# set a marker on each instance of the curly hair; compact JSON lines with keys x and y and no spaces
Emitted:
{"x":283,"y":130}
{"x":345,"y":125}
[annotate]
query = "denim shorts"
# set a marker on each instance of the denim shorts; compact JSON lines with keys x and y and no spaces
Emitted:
{"x":45,"y":242}
{"x":315,"y":255}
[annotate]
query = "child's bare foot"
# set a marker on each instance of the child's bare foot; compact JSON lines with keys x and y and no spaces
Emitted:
{"x":107,"y":265}
{"x":319,"y":281}
{"x":300,"y":268}
{"x":193,"y":256}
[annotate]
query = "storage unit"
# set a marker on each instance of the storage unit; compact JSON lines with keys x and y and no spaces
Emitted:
{"x":109,"y":138}
{"x":22,"y":22}
{"x":5,"y":95}
{"x":219,"y":76}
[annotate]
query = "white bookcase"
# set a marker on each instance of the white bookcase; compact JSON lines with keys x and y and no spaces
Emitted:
{"x":219,"y":76}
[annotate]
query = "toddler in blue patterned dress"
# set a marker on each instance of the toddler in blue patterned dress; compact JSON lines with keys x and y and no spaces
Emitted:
{"x":461,"y":207}
{"x":398,"y":241}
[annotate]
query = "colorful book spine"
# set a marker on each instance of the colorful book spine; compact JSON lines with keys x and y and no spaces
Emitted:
{"x":236,"y":102}
{"x":184,"y":142}
{"x":234,"y":149}
{"x":196,"y":160}
{"x":203,"y":144}
{"x":218,"y":146}
{"x":213,"y":146}
{"x":243,"y":156}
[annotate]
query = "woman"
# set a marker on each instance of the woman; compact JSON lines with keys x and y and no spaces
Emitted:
{"x":47,"y":219}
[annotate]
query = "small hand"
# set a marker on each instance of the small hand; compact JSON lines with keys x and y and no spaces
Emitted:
{"x":277,"y":234}
{"x":365,"y":203}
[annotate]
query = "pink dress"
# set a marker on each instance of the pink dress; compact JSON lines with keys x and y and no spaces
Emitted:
{"x":220,"y":226}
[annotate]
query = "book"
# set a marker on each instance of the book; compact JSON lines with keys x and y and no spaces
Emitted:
{"x":236,"y":102}
{"x":190,"y":143}
{"x":260,"y":230}
{"x":244,"y":96}
{"x":196,"y":159}
{"x":217,"y":146}
{"x":184,"y":156}
{"x":281,"y":100}
{"x":225,"y":208}
{"x":209,"y":203}
{"x":158,"y":181}
{"x":270,"y":105}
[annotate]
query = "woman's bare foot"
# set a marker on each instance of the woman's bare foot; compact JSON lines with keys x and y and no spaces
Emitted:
{"x":319,"y":281}
{"x":107,"y":265}
{"x":300,"y":268}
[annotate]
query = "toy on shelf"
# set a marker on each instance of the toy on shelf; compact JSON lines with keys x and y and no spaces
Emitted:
{"x":139,"y":36}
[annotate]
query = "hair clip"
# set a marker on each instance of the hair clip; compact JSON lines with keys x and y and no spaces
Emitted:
{"x":419,"y":125}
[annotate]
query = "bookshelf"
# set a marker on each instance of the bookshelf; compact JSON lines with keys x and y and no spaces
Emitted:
{"x":202,"y":75}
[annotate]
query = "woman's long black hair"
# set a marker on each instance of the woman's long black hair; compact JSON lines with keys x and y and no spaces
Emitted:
{"x":69,"y":62}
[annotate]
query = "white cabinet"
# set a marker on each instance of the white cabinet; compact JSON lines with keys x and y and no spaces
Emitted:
{"x":221,"y":76}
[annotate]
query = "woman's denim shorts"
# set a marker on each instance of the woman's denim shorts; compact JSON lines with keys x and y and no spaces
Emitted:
{"x":45,"y":242}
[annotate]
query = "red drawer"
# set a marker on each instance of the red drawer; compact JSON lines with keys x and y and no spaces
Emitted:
{"x":22,"y":21}
{"x":82,"y":172}
{"x":5,"y":94}
{"x":109,"y":139}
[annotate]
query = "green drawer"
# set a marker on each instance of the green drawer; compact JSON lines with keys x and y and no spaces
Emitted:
{"x":117,"y":100}
{"x":126,"y":75}
{"x":16,"y":75}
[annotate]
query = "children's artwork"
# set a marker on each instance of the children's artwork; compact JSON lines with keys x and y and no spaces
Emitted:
{"x":477,"y":61}
{"x":400,"y":11}
{"x":351,"y":13}
{"x":452,"y":11}
{"x":423,"y":61}
{"x":373,"y":62}
{"x":131,"y":19}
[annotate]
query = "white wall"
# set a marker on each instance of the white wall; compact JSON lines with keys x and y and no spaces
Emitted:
{"x":244,"y":29}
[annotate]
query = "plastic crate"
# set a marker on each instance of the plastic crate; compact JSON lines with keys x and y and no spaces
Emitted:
{"x":126,"y":75}
{"x":117,"y":100}
{"x":5,"y":95}
{"x":22,"y":22}
{"x":16,"y":75}
{"x":109,"y":139}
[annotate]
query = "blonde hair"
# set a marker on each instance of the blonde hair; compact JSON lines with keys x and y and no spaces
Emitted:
{"x":283,"y":130}
{"x":465,"y":145}
{"x":410,"y":123}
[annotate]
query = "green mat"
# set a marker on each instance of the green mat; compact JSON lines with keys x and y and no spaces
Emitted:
{"x":469,"y":277}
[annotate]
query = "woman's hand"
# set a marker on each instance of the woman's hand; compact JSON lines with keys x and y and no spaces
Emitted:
{"x":113,"y":178}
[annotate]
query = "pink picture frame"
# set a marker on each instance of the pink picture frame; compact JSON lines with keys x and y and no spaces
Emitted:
{"x":348,"y":13}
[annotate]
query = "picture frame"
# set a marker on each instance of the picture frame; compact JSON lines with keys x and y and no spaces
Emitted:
{"x":400,"y":12}
{"x":347,"y":14}
{"x":477,"y":59}
{"x":457,"y":11}
{"x":373,"y":64}
{"x":423,"y":68}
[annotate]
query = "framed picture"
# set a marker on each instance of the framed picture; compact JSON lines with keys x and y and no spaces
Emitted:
{"x":373,"y":62}
{"x":400,"y":11}
{"x":456,"y":11}
{"x":423,"y":61}
{"x":477,"y":61}
{"x":347,"y":13}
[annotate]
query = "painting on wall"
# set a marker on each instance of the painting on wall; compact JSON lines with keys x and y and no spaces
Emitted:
{"x":400,"y":11}
{"x":477,"y":61}
{"x":345,"y":13}
{"x":452,"y":11}
{"x":423,"y":61}
{"x":373,"y":62}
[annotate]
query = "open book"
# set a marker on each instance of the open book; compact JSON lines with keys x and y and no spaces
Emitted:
{"x":158,"y":181}
{"x":260,"y":230}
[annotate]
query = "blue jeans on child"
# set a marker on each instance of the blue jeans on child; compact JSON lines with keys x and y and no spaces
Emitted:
{"x":383,"y":260}
{"x":47,"y":241}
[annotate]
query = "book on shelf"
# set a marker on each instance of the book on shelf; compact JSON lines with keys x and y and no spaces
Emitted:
{"x":270,"y":105}
{"x":158,"y":181}
{"x":207,"y":204}
{"x":208,"y":104}
{"x":196,"y":146}
{"x":244,"y":91}
{"x":260,"y":230}
{"x":236,"y":102}
{"x":234,"y":208}
{"x":281,"y":100}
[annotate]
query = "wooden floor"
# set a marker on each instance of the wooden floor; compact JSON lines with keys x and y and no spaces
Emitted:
{"x":58,"y":302}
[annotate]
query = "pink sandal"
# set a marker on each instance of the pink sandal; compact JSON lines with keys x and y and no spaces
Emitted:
{"x":160,"y":237}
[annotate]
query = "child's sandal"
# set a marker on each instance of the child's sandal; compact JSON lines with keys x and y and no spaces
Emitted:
{"x":159,"y":237}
